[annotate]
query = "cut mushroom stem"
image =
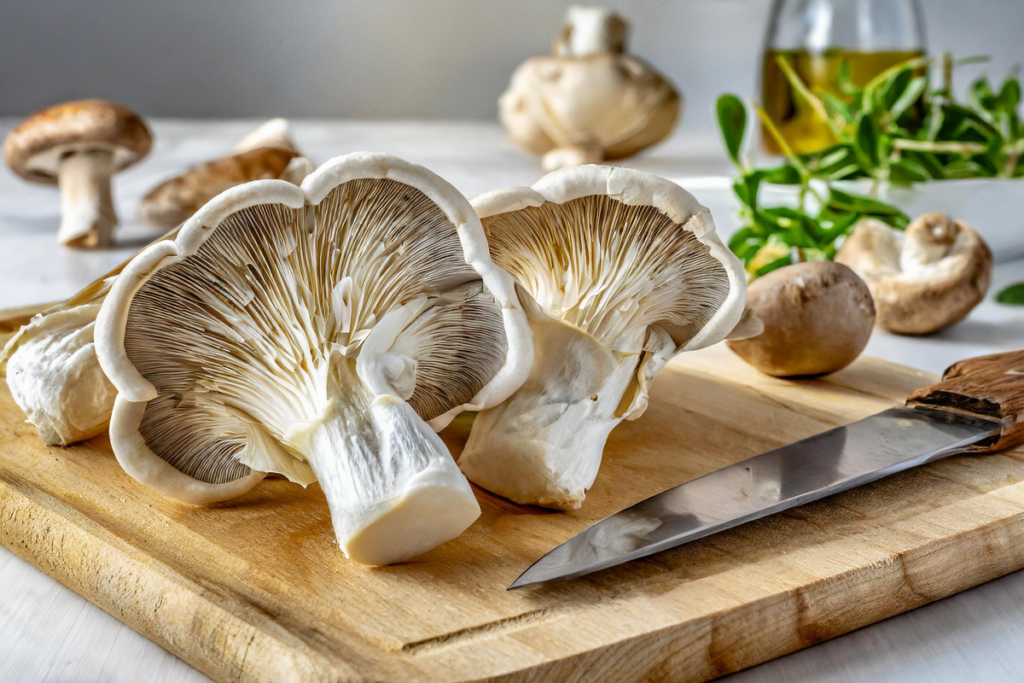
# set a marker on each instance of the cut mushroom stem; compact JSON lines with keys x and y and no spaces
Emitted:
{"x":543,"y":445}
{"x":88,"y":218}
{"x":393,"y":489}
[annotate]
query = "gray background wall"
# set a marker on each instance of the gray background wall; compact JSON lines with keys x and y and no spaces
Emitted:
{"x":387,"y":58}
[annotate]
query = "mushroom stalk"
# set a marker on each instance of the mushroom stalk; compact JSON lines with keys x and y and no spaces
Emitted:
{"x":392,"y":487}
{"x":87,"y":212}
{"x":543,"y":445}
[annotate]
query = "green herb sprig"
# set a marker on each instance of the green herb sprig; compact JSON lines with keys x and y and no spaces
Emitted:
{"x":773,"y":237}
{"x":899,"y":129}
{"x":895,"y":129}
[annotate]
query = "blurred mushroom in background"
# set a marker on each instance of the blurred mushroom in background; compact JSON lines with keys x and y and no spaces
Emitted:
{"x":266,"y":153}
{"x":923,"y":279}
{"x":79,"y":146}
{"x":589,"y":101}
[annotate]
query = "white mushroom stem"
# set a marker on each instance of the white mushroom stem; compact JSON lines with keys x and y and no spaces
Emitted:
{"x":87,"y":212}
{"x":543,"y":445}
{"x":393,"y":489}
{"x":591,"y":30}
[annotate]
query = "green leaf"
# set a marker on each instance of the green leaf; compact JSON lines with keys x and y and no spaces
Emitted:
{"x":844,"y":201}
{"x":965,"y":168}
{"x":911,"y":94}
{"x":1012,"y":295}
{"x":866,"y":141}
{"x":908,"y":171}
{"x":1009,"y":95}
{"x":746,"y":187}
{"x":732,"y":121}
{"x":894,"y":89}
{"x":785,"y":174}
{"x":774,"y":265}
{"x":835,"y":107}
{"x":928,"y":161}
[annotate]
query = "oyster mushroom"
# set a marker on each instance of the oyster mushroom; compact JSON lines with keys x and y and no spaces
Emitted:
{"x":266,"y":153}
{"x":314,"y":331}
{"x":618,"y":271}
{"x":52,"y":372}
{"x":589,"y":101}
{"x":79,"y":146}
{"x":924,"y":279}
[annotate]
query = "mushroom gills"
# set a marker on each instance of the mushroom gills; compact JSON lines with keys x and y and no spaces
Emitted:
{"x":611,"y":292}
{"x":315,"y":343}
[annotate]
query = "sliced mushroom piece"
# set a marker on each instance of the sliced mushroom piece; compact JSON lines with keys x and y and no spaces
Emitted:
{"x":618,"y":271}
{"x":298,"y":330}
{"x":589,"y":101}
{"x":924,"y":279}
{"x":266,"y":153}
{"x":79,"y":146}
{"x":52,"y":372}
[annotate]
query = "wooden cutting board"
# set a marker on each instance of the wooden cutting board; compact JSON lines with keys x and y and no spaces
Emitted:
{"x":257,"y":590}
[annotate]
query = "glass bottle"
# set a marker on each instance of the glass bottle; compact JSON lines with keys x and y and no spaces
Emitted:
{"x":816,"y":37}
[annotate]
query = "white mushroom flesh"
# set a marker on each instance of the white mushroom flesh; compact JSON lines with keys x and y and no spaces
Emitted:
{"x":88,"y":217}
{"x":53,"y":375}
{"x":314,"y":343}
{"x":612,"y":291}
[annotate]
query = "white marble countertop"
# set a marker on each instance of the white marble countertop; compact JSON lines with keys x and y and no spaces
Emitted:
{"x":48,"y":633}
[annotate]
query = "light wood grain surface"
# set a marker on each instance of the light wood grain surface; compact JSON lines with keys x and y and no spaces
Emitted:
{"x":48,"y":633}
{"x":257,"y":589}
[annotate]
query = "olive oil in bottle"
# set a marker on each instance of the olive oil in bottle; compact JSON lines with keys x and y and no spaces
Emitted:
{"x":801,"y":127}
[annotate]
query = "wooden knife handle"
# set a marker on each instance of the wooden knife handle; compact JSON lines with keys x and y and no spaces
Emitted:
{"x":988,"y":386}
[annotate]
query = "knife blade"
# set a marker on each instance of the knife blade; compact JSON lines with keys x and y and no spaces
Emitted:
{"x":978,"y":407}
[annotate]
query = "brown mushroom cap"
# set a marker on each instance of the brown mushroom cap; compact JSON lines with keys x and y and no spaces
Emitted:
{"x":172,"y":202}
{"x":924,"y":279}
{"x":817,"y":319}
{"x":34,"y":149}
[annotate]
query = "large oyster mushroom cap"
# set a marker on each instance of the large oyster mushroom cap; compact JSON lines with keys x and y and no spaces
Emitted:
{"x":619,"y":271}
{"x":313,"y":331}
{"x":588,"y":101}
{"x":924,"y":279}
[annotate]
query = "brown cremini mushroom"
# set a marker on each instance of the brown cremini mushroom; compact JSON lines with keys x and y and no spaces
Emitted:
{"x":79,"y":146}
{"x":588,"y":101}
{"x":817,"y":318}
{"x":924,"y":279}
{"x":267,"y":153}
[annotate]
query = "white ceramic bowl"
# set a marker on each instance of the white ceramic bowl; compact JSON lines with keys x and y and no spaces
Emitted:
{"x":992,"y":206}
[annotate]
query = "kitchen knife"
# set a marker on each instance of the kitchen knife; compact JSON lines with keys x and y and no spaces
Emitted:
{"x":978,"y":407}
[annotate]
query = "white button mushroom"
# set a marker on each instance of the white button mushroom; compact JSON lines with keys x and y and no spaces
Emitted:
{"x":924,"y":279}
{"x":79,"y":146}
{"x":311,"y":332}
{"x":266,"y":153}
{"x":588,"y":101}
{"x":618,"y":271}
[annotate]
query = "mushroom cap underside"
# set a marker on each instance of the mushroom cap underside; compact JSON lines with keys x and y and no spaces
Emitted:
{"x":270,"y":285}
{"x":610,"y":250}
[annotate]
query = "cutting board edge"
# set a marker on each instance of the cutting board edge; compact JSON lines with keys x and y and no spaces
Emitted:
{"x":108,"y":586}
{"x":27,"y":526}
